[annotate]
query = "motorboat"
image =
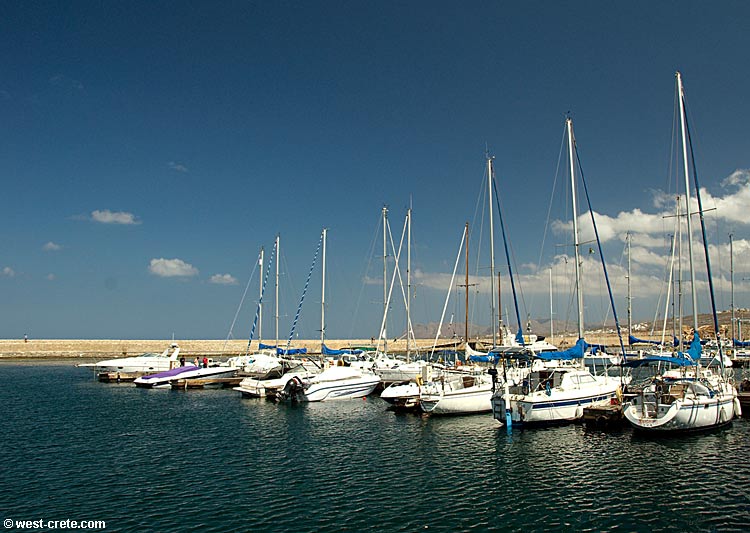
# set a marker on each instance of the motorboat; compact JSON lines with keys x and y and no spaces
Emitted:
{"x":336,"y":382}
{"x":165,"y":379}
{"x":147,"y":362}
{"x":253,"y":387}
{"x":552,"y":396}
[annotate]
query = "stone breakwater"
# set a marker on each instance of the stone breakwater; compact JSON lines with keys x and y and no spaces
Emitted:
{"x":107,"y":349}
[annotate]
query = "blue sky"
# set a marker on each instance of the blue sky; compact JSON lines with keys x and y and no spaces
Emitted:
{"x":149,"y":149}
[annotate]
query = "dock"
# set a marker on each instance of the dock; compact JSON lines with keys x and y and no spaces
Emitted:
{"x":119,"y":377}
{"x":603,"y":415}
{"x":205,"y":383}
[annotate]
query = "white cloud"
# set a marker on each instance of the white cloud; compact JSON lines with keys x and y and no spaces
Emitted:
{"x":65,"y":82}
{"x":105,"y":216}
{"x":51,"y":247}
{"x":177,"y":167}
{"x":223,"y":279}
{"x":7,"y":272}
{"x":167,"y":268}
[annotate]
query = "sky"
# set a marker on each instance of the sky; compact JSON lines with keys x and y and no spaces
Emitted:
{"x":150,"y":149}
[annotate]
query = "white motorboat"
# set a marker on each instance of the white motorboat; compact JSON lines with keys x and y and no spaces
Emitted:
{"x":336,"y":382}
{"x":147,"y":362}
{"x":164,"y":379}
{"x":252,"y":387}
{"x":552,"y":396}
{"x":402,"y":395}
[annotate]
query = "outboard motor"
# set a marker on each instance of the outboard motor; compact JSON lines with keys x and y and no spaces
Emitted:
{"x":291,"y":390}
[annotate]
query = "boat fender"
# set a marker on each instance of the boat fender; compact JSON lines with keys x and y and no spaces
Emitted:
{"x":723,"y":416}
{"x":737,"y":408}
{"x":548,"y":389}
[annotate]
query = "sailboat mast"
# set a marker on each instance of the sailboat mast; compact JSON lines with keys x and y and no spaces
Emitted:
{"x":323,"y":292}
{"x":385,"y":278}
{"x":683,"y":131}
{"x":551,"y":323}
{"x":731,"y":281}
{"x":278,"y":254}
{"x":579,"y":287}
{"x":630,"y":298}
{"x":260,"y":295}
{"x":492,"y":252}
{"x":408,"y":285}
{"x":466,"y":305}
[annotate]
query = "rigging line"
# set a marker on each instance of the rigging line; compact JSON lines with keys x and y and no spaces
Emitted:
{"x":507,"y":257}
{"x":364,"y":276}
{"x":447,"y":297}
{"x":705,"y":244}
{"x":304,"y":291}
{"x":549,"y":206}
{"x":260,"y":300}
{"x":242,"y":300}
{"x":393,"y":282}
{"x":601,"y":254}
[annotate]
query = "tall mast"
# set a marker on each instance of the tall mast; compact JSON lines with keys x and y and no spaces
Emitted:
{"x":630,"y":298}
{"x":323,"y":291}
{"x":679,"y":273}
{"x":683,"y":130}
{"x":278,"y":253}
{"x":492,"y":252}
{"x":408,"y":284}
{"x":579,"y":286}
{"x":551,"y":324}
{"x":260,"y":296}
{"x":385,"y":278}
{"x":466,"y":306}
{"x":731,"y":282}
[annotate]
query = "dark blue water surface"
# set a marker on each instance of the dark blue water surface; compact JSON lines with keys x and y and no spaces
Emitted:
{"x":162,"y":460}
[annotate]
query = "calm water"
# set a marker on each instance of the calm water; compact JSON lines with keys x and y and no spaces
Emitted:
{"x":162,"y":460}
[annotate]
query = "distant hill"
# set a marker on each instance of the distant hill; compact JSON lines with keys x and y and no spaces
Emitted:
{"x":541,"y":327}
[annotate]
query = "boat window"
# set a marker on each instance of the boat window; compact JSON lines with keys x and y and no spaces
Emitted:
{"x":585,"y":378}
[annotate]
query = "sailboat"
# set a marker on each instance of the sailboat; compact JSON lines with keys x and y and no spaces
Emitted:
{"x":690,"y":398}
{"x":335,"y":382}
{"x":271,"y":367}
{"x":558,"y":393}
{"x":469,"y":391}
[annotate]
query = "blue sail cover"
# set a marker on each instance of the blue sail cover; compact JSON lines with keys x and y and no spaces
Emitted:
{"x":281,"y":351}
{"x":493,"y":358}
{"x":325,"y":350}
{"x":741,"y":344}
{"x":519,"y":337}
{"x":694,"y":352}
{"x":574,"y":352}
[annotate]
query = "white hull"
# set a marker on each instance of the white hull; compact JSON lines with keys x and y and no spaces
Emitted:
{"x":155,"y":381}
{"x":686,"y":406}
{"x":460,"y":395}
{"x":262,"y":388}
{"x":556,"y":405}
{"x":405,"y":396}
{"x":146,"y":363}
{"x":335,"y":383}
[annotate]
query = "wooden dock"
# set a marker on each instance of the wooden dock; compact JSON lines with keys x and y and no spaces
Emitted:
{"x":205,"y":383}
{"x":603,"y":415}
{"x":119,"y":377}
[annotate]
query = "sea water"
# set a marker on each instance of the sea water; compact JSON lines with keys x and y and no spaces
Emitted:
{"x":209,"y":460}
